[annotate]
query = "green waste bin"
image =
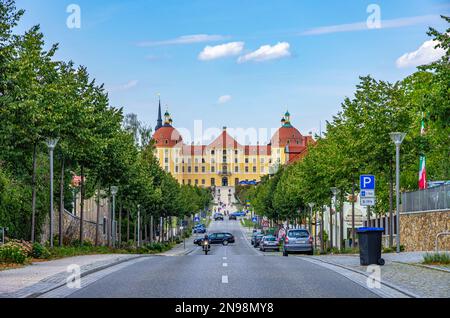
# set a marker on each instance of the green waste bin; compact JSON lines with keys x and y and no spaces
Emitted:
{"x":370,"y":246}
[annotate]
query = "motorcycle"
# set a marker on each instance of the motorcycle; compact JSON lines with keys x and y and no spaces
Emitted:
{"x":206,"y":247}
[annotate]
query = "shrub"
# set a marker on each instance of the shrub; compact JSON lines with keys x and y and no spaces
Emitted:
{"x":13,"y":252}
{"x":40,"y":251}
{"x":436,"y":258}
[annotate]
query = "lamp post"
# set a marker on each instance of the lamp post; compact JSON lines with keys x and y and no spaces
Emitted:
{"x":311,"y":205}
{"x":51,"y":144}
{"x":335,"y":194}
{"x":114,"y":190}
{"x":397,"y":138}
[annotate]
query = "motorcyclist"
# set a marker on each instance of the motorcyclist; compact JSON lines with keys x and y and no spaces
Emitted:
{"x":206,"y":239}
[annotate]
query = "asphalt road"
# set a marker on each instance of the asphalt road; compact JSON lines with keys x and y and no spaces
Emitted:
{"x":234,"y":271}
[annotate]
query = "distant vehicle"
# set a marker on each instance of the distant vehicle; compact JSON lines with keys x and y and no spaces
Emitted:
{"x":255,"y":233}
{"x":232,"y":217}
{"x":298,"y":241}
{"x":198,"y":241}
{"x":218,"y":217}
{"x":257,"y":240}
{"x":269,"y":242}
{"x":221,"y":238}
{"x":238,"y":214}
{"x":199,"y":229}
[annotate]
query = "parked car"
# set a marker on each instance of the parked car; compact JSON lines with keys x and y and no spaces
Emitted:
{"x":239,"y":214}
{"x":200,"y":229}
{"x":257,"y":240}
{"x":255,"y":233}
{"x":269,"y":242}
{"x":232,"y":217}
{"x":298,"y":241}
{"x":221,"y":238}
{"x":218,"y":217}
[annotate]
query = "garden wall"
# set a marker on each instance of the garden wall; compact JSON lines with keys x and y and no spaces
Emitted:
{"x":419,"y":230}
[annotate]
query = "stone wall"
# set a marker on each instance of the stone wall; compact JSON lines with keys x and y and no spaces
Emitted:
{"x":71,"y":229}
{"x":419,"y":230}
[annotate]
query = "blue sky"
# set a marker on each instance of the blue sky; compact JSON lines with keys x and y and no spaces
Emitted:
{"x":296,"y":54}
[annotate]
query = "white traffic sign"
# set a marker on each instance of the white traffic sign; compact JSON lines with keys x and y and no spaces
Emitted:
{"x":367,"y":201}
{"x":368,"y":194}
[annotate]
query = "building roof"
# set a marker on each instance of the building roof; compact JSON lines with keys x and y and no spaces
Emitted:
{"x":167,"y":136}
{"x":287,"y":135}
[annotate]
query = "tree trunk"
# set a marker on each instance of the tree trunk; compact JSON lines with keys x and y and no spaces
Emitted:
{"x":61,"y":204}
{"x":151,"y":229}
{"x":341,"y":221}
{"x":33,"y":195}
{"x":353,"y":215}
{"x":128,"y":225}
{"x":120,"y":225}
{"x":82,"y":206}
{"x":331,"y":223}
{"x":98,"y":217}
{"x":322,"y":228}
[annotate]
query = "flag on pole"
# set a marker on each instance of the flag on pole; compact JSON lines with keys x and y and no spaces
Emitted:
{"x":423,"y":160}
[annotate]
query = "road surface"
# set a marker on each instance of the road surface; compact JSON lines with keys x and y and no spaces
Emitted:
{"x":234,"y":271}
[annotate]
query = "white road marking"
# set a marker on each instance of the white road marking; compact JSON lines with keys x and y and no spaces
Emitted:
{"x":225,"y":265}
{"x":224,"y":279}
{"x":224,"y":258}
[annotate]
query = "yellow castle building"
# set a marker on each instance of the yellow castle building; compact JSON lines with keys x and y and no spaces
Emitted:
{"x":225,"y":162}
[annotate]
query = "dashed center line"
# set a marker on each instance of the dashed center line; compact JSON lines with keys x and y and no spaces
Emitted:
{"x":225,"y":265}
{"x":224,"y":258}
{"x":225,"y":279}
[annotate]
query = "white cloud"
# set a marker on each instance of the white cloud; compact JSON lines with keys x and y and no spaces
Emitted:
{"x":185,"y":39}
{"x":267,"y":52}
{"x":124,"y":87}
{"x":426,"y":54}
{"x":219,"y":51}
{"x":224,"y":99}
{"x":361,"y":26}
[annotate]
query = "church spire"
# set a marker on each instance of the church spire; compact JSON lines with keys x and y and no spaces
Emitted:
{"x":159,"y":123}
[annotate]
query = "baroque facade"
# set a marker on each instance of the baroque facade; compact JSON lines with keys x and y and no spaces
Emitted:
{"x":225,"y":162}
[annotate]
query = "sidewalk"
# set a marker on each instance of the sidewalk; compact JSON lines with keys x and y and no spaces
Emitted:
{"x":181,"y":249}
{"x":402,"y":270}
{"x":41,"y":277}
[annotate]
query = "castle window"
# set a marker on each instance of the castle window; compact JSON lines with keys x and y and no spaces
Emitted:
{"x":254,"y":169}
{"x":213,"y":152}
{"x":203,"y":169}
{"x":246,"y":169}
{"x":236,"y":169}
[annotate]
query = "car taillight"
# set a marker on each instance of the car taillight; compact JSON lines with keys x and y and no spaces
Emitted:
{"x":310,"y":239}
{"x":286,"y":240}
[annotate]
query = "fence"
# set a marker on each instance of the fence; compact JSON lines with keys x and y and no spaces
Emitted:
{"x":432,"y":199}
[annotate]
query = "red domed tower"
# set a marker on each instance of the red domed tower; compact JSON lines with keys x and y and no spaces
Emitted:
{"x":288,"y":144}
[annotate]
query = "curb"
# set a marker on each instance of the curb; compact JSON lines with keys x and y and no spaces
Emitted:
{"x":86,"y":273}
{"x":424,"y":266}
{"x":390,"y":285}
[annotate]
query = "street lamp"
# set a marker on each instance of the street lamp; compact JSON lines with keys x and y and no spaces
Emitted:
{"x":51,"y":144}
{"x":397,"y":139}
{"x":114,"y":190}
{"x":311,"y":205}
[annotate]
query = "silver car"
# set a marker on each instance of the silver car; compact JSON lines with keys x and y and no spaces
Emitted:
{"x":298,"y":241}
{"x":269,"y":242}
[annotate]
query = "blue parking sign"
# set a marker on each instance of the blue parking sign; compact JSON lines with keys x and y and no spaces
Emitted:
{"x":255,"y":219}
{"x":367,"y":182}
{"x":197,"y":219}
